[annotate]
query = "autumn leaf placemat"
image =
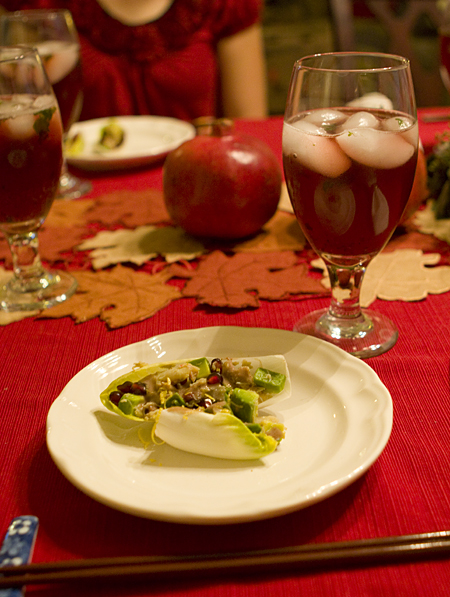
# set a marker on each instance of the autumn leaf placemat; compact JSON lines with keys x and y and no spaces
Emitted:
{"x":401,"y":275}
{"x":130,"y":261}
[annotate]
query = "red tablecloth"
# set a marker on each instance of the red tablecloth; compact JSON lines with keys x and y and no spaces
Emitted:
{"x":406,"y":491}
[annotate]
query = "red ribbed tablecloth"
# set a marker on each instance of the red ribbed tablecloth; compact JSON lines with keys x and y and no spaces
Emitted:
{"x":406,"y":491}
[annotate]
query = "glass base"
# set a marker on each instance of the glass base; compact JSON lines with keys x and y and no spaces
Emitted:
{"x":71,"y":187}
{"x":370,"y":335}
{"x":53,"y":288}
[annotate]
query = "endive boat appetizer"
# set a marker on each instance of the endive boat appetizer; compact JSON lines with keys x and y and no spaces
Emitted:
{"x":207,"y":406}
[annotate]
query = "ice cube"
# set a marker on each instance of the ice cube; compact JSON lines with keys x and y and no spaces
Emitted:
{"x":61,"y":62}
{"x":362,"y":119}
{"x":325,"y":118}
{"x":372,"y":100}
{"x":308,"y":127}
{"x":403,"y":123}
{"x":318,"y":152}
{"x":15,"y":104}
{"x":21,"y":126}
{"x":375,"y":148}
{"x":43,"y":102}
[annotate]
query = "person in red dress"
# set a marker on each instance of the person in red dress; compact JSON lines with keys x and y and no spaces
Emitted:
{"x":179,"y":58}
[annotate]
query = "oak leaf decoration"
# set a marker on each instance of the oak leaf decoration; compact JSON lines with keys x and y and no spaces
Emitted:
{"x":401,"y":275}
{"x":140,"y":245}
{"x":118,"y":297}
{"x":241,"y":280}
{"x":428,"y":224}
{"x":9,"y":317}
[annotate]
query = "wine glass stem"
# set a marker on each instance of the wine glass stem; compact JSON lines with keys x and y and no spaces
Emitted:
{"x":64,"y":178}
{"x":28,"y":269}
{"x":345,"y":290}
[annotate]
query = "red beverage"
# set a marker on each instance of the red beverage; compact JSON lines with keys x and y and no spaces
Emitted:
{"x":444,"y":39}
{"x":349,"y":177}
{"x":30,"y":160}
{"x":63,"y":66}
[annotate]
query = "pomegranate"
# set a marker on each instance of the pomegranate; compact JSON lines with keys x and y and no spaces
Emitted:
{"x":221,"y":184}
{"x":419,"y":191}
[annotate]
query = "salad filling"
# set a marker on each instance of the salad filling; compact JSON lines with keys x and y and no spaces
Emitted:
{"x":224,"y":396}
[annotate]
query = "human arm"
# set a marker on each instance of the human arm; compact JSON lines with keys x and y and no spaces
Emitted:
{"x":243,"y":74}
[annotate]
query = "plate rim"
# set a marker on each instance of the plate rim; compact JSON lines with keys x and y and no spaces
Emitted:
{"x":319,"y":495}
{"x":111,"y":161}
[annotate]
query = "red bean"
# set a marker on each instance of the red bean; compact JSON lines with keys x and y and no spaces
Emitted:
{"x":125,"y":387}
{"x":114,"y":397}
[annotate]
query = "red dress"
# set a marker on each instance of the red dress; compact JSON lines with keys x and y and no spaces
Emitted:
{"x":167,"y":67}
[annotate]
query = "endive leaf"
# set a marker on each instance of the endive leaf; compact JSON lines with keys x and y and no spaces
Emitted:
{"x":222,"y":435}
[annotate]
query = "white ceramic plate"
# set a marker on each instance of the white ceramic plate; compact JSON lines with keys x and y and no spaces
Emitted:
{"x":147,"y":139}
{"x":338,"y":420}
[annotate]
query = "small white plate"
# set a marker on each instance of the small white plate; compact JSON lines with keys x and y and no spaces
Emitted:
{"x":338,"y":420}
{"x":147,"y":139}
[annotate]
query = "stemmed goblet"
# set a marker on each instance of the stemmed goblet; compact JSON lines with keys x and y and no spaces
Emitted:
{"x":350,"y":140}
{"x":54,"y":34}
{"x":444,"y":47}
{"x":30,"y":165}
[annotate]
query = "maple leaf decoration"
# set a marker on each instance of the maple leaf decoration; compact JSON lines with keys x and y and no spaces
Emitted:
{"x":129,"y":208}
{"x":241,"y":280}
{"x":281,"y":233}
{"x":119,"y":296}
{"x":55,"y":241}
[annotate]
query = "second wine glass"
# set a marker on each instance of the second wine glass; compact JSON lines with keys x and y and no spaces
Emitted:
{"x":54,"y":34}
{"x":350,"y":140}
{"x":30,"y":163}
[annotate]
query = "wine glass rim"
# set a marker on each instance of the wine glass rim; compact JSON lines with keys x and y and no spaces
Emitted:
{"x":398,"y":62}
{"x":36,"y":12}
{"x":17,"y":52}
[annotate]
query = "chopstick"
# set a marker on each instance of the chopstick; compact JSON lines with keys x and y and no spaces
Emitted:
{"x":297,"y":558}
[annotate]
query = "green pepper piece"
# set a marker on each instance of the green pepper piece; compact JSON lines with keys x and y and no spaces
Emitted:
{"x":111,"y":135}
{"x":128,"y":403}
{"x":254,"y":427}
{"x":203,"y":366}
{"x":244,"y":404}
{"x":269,"y":380}
{"x":175,"y":400}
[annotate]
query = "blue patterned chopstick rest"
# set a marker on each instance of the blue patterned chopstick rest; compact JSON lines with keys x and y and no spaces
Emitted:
{"x":17,"y":547}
